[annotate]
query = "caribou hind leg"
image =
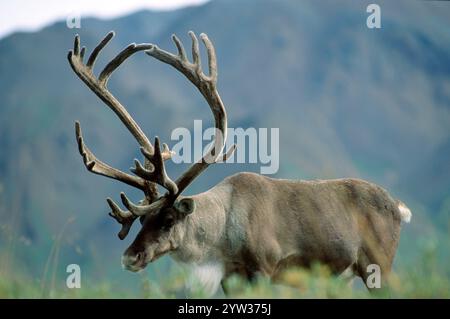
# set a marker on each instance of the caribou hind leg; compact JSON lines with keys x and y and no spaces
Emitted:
{"x":285,"y":264}
{"x":348,"y":275}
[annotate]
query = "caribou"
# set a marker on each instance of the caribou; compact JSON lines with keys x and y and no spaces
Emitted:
{"x":248,"y":224}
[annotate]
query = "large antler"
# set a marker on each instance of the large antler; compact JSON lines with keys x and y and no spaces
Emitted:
{"x":207,"y":85}
{"x":154,"y":171}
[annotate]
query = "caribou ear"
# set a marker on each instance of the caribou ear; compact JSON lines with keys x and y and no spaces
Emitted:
{"x":185,"y":206}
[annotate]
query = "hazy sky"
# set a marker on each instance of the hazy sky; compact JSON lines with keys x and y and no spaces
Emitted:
{"x":32,"y":15}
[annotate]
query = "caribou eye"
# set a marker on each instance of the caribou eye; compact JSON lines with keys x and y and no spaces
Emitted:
{"x":169,"y":221}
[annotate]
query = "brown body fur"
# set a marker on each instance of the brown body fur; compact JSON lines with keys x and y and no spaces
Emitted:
{"x":255,"y":224}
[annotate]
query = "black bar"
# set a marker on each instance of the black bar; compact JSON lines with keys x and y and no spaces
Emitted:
{"x":224,"y":308}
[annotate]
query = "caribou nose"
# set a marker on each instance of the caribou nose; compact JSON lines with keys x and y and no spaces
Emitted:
{"x":132,"y":261}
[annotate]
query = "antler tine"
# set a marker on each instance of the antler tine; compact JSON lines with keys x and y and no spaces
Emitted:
{"x":117,"y":61}
{"x":212,"y":58}
{"x":82,"y":52}
{"x":98,"y":48}
{"x":192,"y":71}
{"x":166,"y":152}
{"x":96,"y":166}
{"x":76,"y":45}
{"x":158,"y":175}
{"x":227,"y":155}
{"x":180,"y":48}
{"x":116,"y":211}
{"x":196,"y":53}
{"x":125,"y":218}
{"x":179,"y":62}
{"x":137,"y":210}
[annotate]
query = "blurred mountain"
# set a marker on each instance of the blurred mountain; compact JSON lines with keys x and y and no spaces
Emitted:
{"x":349,"y":101}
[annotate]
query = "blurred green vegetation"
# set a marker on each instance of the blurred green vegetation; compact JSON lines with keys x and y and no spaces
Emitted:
{"x":424,"y":278}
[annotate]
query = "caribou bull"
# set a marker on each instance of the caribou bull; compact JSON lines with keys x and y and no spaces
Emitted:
{"x":248,"y":224}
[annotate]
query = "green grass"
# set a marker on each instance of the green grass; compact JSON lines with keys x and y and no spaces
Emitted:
{"x":425,"y":278}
